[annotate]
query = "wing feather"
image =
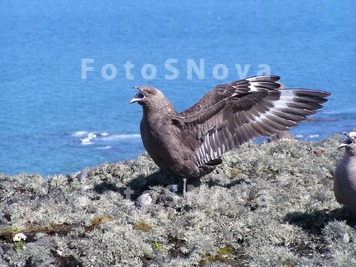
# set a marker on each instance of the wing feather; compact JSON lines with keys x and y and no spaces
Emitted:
{"x":232,"y":114}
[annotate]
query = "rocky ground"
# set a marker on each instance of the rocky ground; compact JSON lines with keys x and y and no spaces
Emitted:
{"x":268,"y":204}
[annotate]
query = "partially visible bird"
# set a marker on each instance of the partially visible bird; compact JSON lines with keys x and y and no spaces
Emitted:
{"x":191,"y":143}
{"x":345,"y":174}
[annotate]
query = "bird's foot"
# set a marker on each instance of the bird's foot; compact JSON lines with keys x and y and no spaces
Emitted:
{"x":184,"y":187}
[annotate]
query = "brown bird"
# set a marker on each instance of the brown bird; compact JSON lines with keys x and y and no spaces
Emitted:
{"x":345,"y":175}
{"x":191,"y":143}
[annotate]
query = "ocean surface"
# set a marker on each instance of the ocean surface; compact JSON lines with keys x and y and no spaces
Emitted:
{"x":67,"y":69}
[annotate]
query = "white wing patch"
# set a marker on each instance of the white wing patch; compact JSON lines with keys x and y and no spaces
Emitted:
{"x":273,"y":112}
{"x":214,"y":145}
{"x":287,"y":96}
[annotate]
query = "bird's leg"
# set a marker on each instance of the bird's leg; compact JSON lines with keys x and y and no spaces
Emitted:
{"x":184,"y":187}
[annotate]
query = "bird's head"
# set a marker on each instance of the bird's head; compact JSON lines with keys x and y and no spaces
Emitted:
{"x":350,"y":141}
{"x":150,"y":97}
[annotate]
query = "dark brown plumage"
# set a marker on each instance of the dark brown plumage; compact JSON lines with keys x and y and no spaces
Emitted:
{"x":190,"y":143}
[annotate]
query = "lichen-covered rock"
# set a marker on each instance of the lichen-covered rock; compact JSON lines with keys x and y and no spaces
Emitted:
{"x":268,"y":204}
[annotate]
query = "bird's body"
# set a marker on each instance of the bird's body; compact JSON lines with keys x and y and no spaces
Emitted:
{"x":191,"y":143}
{"x":345,"y":175}
{"x":157,"y":133}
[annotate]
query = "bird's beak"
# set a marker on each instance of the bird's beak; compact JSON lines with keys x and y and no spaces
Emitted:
{"x":138,"y":97}
{"x":347,"y":141}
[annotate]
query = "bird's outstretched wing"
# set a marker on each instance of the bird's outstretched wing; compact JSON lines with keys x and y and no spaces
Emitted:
{"x":231,"y":114}
{"x":222,"y":91}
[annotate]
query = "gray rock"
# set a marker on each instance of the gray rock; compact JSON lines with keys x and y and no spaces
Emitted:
{"x":143,"y":200}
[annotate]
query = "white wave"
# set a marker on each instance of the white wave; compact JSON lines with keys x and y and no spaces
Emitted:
{"x":120,"y":136}
{"x":309,"y":136}
{"x":88,"y":138}
{"x":79,"y":133}
{"x":86,"y":141}
{"x":89,"y":134}
{"x":92,"y":135}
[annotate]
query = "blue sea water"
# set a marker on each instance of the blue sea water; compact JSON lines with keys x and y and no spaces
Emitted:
{"x":52,"y":120}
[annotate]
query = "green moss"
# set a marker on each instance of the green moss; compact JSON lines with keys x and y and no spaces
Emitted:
{"x":60,"y":229}
{"x":19,"y":245}
{"x":234,"y":172}
{"x":158,"y":246}
{"x":227,"y":255}
{"x":96,"y":221}
{"x":100,"y":219}
{"x":142,"y":226}
{"x":225,"y":251}
{"x":8,"y":234}
{"x":10,"y":230}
